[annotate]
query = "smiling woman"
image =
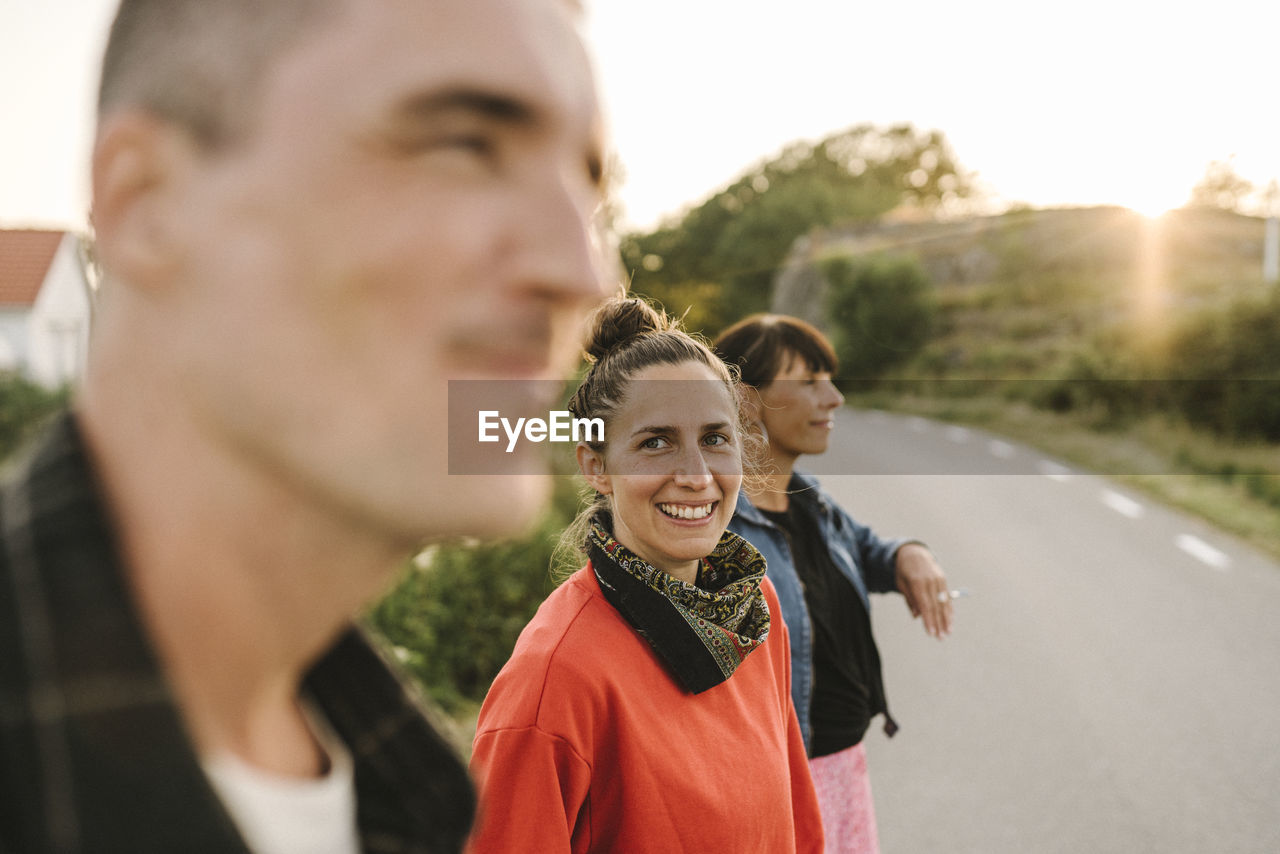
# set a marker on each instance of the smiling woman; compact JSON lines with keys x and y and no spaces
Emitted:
{"x":672,"y":472}
{"x":660,"y":668}
{"x":824,"y":565}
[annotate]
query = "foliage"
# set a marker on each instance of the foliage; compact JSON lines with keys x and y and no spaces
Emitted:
{"x":882,"y":310}
{"x":1225,"y":367}
{"x":453,"y":619}
{"x":23,"y":405}
{"x":1219,"y":370}
{"x":1220,"y":187}
{"x":740,"y":236}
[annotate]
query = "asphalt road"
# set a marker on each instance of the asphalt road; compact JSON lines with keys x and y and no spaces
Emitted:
{"x":1113,"y":683}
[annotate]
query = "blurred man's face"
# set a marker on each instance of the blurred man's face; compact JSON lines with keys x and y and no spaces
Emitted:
{"x":413,"y":204}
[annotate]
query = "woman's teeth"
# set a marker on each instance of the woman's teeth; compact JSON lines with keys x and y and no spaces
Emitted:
{"x":684,"y":511}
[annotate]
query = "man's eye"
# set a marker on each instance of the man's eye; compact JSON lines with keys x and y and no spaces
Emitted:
{"x":654,"y":443}
{"x":716,"y":439}
{"x":476,"y":143}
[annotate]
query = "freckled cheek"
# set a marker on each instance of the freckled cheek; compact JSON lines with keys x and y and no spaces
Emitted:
{"x":729,"y":477}
{"x":638,"y":487}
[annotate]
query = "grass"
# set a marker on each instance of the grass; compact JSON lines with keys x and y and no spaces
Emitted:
{"x":1045,"y":298}
{"x":1235,"y":486}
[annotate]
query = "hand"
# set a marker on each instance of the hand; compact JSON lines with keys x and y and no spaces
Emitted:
{"x":921,"y":581}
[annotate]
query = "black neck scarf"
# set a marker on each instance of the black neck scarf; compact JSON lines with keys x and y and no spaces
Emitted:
{"x":701,"y":632}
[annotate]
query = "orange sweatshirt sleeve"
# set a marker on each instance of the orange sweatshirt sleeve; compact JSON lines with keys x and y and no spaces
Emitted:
{"x":804,"y":800}
{"x":533,"y":790}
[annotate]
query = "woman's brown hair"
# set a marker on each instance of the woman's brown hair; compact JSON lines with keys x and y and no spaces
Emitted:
{"x":627,"y":335}
{"x":762,"y":346}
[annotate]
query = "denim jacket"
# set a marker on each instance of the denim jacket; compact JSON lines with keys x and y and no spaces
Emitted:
{"x":863,"y":557}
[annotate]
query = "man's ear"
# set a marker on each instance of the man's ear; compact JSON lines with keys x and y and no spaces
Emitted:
{"x":591,"y":464}
{"x":137,"y":161}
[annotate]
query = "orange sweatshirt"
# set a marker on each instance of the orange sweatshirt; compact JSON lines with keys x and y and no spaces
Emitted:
{"x":585,"y":743}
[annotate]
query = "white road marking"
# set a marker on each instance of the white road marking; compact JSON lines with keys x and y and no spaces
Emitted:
{"x":1122,"y":504}
{"x":1003,"y":450}
{"x":1203,"y":552}
{"x":1053,"y":471}
{"x":957,"y":434}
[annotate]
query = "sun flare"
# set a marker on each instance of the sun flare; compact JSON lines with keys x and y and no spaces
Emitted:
{"x":1151,"y":197}
{"x":1153,"y":208}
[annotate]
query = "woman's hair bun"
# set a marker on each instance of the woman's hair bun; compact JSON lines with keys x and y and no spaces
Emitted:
{"x":619,"y":320}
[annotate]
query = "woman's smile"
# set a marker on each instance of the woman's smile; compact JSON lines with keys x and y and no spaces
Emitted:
{"x":688,"y":512}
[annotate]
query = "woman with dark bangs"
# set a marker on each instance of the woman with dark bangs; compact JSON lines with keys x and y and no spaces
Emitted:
{"x":823,"y":565}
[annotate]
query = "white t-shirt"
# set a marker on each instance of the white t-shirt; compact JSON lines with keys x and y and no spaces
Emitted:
{"x":292,"y":815}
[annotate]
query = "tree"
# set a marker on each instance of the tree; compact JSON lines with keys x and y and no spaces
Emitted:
{"x":740,"y":236}
{"x":882,"y":311}
{"x":1221,"y":187}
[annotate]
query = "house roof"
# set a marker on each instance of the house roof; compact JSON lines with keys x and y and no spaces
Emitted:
{"x":25,"y":256}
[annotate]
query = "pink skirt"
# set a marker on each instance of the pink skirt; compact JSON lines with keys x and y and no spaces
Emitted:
{"x":844,"y":796}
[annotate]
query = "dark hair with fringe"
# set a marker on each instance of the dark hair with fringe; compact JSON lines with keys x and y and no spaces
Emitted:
{"x":763,"y":345}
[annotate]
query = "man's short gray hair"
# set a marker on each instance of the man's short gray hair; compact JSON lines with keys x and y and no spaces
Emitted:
{"x":199,"y":63}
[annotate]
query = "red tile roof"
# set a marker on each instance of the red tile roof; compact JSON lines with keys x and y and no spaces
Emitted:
{"x":25,"y":256}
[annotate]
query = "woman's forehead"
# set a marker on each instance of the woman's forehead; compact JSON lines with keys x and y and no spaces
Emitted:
{"x":684,"y":395}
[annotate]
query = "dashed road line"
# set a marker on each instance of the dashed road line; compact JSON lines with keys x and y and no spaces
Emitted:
{"x":1203,"y":552}
{"x":1122,"y":504}
{"x":1054,"y":471}
{"x":1002,"y":450}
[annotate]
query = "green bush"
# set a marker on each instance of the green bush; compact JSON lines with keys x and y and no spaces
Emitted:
{"x":23,"y":405}
{"x":454,"y":617}
{"x":1224,"y":366}
{"x":882,"y":310}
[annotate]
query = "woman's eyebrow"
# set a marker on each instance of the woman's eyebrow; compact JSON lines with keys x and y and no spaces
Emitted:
{"x":660,"y":429}
{"x":668,"y":429}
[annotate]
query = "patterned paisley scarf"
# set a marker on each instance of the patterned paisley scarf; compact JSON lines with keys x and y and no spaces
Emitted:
{"x":702,"y":632}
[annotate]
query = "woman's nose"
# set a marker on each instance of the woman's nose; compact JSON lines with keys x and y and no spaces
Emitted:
{"x":692,"y":470}
{"x":833,"y":398}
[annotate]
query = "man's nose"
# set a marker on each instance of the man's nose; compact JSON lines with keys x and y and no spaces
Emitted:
{"x":566,"y":244}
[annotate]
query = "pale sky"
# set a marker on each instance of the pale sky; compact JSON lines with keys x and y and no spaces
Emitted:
{"x":1094,"y":101}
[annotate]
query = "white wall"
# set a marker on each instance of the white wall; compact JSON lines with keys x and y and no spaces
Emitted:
{"x":58,"y":324}
{"x":13,"y":339}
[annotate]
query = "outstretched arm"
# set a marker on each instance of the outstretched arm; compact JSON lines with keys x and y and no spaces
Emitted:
{"x":924,"y":585}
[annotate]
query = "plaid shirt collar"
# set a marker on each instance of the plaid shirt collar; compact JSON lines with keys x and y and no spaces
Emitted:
{"x":93,"y":751}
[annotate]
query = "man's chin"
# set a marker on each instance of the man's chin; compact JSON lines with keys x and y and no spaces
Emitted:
{"x":491,"y":506}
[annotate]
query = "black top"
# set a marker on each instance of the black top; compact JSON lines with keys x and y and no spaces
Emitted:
{"x":847,"y":687}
